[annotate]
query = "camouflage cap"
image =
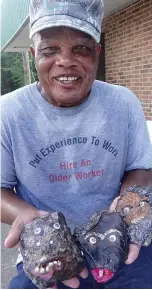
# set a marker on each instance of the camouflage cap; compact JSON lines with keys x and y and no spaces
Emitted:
{"x":83,"y":15}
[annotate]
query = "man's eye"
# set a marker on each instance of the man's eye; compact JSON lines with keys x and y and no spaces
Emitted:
{"x":82,"y":49}
{"x":49,"y":50}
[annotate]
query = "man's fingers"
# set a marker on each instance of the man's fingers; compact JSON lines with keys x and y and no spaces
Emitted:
{"x":14,"y":234}
{"x":84,"y":273}
{"x":133,"y":253}
{"x":53,"y":287}
{"x":73,"y":282}
{"x":114,"y":203}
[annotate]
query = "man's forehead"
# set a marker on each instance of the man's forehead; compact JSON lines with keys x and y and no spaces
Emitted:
{"x":58,"y":32}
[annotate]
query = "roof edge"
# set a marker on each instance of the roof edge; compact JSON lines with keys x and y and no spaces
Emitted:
{"x":22,"y":26}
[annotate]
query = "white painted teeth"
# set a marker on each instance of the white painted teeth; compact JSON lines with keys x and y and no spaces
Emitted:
{"x":43,"y":270}
{"x":37,"y":270}
{"x":100,"y":273}
{"x":55,"y":263}
{"x":48,"y":268}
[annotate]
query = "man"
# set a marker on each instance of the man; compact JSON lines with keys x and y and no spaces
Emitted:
{"x":70,"y":143}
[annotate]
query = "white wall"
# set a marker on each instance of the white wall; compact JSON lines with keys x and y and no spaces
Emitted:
{"x":149,"y":125}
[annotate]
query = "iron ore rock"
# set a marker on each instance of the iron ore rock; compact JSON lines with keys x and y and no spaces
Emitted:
{"x":135,"y":206}
{"x":49,"y":251}
{"x":103,"y":240}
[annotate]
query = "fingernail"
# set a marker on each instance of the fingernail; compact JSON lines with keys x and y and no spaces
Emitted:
{"x":73,"y":284}
{"x":84,"y":273}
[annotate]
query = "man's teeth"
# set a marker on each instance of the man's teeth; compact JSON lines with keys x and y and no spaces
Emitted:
{"x":44,"y":270}
{"x":67,"y":79}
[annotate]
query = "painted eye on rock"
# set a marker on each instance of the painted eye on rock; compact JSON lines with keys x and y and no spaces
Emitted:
{"x":51,"y":242}
{"x":31,"y":243}
{"x":38,"y":244}
{"x":112,"y":238}
{"x":142,"y":203}
{"x":82,"y":254}
{"x":56,"y":226}
{"x":93,"y":240}
{"x":126,"y":209}
{"x":37,"y":231}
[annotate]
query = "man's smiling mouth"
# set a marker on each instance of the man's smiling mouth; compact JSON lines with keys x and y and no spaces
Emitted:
{"x":67,"y":79}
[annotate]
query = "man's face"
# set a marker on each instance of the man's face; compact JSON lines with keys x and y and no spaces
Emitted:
{"x":66,"y":63}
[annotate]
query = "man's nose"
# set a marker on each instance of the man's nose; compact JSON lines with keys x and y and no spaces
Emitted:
{"x":66,"y":59}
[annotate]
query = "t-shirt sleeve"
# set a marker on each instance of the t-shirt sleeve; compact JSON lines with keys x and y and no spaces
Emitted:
{"x":139,"y":155}
{"x":8,"y":174}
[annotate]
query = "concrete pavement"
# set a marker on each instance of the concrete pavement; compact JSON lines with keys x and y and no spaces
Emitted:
{"x":8,"y":259}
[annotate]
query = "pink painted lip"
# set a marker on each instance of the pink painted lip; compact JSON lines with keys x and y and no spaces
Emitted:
{"x":102,"y":275}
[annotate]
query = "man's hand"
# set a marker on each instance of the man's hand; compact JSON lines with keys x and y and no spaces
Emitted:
{"x":133,"y":249}
{"x":13,"y":239}
{"x":133,"y":253}
{"x":74,"y":282}
{"x":17,"y":227}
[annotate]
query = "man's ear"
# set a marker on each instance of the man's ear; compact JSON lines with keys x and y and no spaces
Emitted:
{"x":32,"y":50}
{"x":98,"y":49}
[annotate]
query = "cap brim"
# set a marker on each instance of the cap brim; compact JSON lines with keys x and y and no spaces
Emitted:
{"x":64,"y":20}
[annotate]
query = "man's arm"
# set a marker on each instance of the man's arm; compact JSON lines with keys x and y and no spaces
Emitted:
{"x":16,"y":212}
{"x":12,"y":206}
{"x":134,"y":177}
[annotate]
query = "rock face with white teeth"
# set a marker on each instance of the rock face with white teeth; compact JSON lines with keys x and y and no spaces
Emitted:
{"x":135,"y":206}
{"x":44,"y":263}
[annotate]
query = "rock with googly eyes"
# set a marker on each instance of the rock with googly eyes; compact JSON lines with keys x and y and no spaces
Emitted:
{"x":49,"y":251}
{"x":104,"y":243}
{"x":135,"y":206}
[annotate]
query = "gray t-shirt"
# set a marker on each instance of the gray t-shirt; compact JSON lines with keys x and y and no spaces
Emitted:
{"x":72,"y":160}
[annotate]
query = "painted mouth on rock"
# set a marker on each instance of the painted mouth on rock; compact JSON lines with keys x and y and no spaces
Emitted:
{"x":137,"y":219}
{"x":102,"y":275}
{"x":47,"y":269}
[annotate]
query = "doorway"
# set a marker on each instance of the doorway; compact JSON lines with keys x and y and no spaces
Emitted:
{"x":101,"y":66}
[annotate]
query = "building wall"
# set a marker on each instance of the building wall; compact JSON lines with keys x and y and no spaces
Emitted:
{"x":128,"y":51}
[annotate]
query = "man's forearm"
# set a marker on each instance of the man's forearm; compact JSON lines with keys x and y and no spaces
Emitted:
{"x":12,"y":206}
{"x":136,"y":177}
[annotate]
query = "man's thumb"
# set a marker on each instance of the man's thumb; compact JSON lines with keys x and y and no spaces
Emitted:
{"x":133,"y":253}
{"x":14,"y":234}
{"x":17,"y":227}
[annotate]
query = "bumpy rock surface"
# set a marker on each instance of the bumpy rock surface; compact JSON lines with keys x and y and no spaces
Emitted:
{"x":135,"y":206}
{"x":49,"y":251}
{"x":104,"y":243}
